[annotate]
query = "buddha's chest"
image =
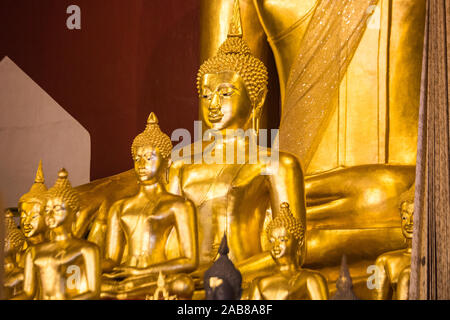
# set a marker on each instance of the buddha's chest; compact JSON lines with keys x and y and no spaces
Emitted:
{"x":143,"y":220}
{"x":279,"y":287}
{"x":220,"y":183}
{"x":60,"y":262}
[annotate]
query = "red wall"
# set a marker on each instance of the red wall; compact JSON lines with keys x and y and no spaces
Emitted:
{"x":129,"y":58}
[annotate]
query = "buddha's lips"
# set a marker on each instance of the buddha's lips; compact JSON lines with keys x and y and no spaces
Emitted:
{"x":409,"y":229}
{"x":276,"y":252}
{"x":142,"y":172}
{"x":215,"y":116}
{"x":50,"y":221}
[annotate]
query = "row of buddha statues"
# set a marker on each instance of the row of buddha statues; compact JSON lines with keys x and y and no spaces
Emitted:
{"x":175,"y":227}
{"x":45,"y":260}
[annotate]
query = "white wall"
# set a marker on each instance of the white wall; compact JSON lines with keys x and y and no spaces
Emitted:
{"x":33,"y":126}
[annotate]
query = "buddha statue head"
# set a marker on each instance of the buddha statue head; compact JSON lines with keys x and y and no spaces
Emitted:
{"x":286,"y":236}
{"x":344,"y":284}
{"x":151,"y":152}
{"x":62,"y":203}
{"x":232,"y":85}
{"x":31,"y":207}
{"x":223,"y":281}
{"x":406,"y":204}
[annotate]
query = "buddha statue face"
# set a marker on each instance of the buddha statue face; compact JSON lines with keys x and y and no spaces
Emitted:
{"x":151,"y":151}
{"x":62,"y":202}
{"x":148,"y":164}
{"x":286,"y":237}
{"x":407,"y":215}
{"x":232,"y":85}
{"x":224,"y":101}
{"x":31,"y":206}
{"x":283,"y":246}
{"x":31,"y":218}
{"x":57,"y":212}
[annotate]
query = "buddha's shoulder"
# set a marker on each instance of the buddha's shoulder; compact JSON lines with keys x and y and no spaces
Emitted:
{"x":82,"y":246}
{"x":120,"y":204}
{"x":312,"y":274}
{"x":288,"y":159}
{"x":392,"y":255}
{"x":176,"y":201}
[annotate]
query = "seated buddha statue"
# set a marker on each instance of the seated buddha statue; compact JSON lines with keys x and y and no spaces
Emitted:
{"x":139,"y":227}
{"x":12,"y":244}
{"x":233,"y":193}
{"x":64,"y":268}
{"x":231,"y":197}
{"x":345,"y":111}
{"x":290,"y":281}
{"x":32,"y":225}
{"x":393,"y":268}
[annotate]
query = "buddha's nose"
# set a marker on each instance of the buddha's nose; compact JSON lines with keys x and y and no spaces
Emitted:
{"x":215,"y":101}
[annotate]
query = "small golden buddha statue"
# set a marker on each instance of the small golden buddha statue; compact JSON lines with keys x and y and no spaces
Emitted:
{"x":392,"y":264}
{"x":65,"y":267}
{"x":290,"y":282}
{"x":31,"y":210}
{"x":139,"y":227}
{"x":161,"y":292}
{"x":13,"y":243}
{"x":32,"y":225}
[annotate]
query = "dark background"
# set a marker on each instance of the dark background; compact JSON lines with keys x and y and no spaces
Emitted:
{"x":129,"y":58}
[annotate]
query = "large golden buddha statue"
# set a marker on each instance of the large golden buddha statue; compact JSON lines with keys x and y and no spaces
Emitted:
{"x":65,"y":267}
{"x":139,"y":227}
{"x":231,"y":195}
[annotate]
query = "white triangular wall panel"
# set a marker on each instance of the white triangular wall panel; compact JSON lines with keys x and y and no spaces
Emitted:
{"x":33,"y":126}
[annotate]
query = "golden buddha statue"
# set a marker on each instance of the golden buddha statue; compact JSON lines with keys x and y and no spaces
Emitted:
{"x":393,"y":268}
{"x":290,"y":281}
{"x":31,"y":210}
{"x":65,"y":267}
{"x":161,"y":292}
{"x":345,"y":111}
{"x":139,"y":227}
{"x":233,"y":193}
{"x":32,"y":225}
{"x":13,"y":243}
